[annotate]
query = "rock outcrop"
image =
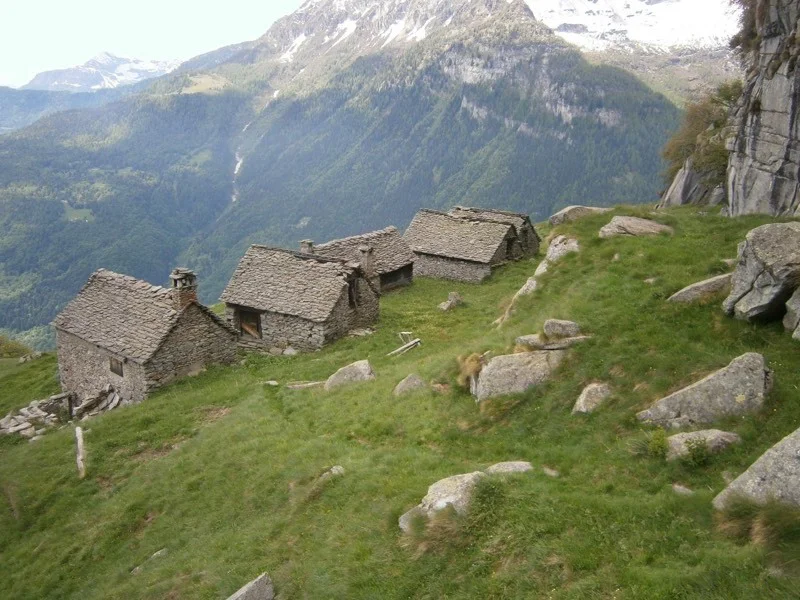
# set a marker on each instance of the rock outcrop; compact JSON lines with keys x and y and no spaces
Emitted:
{"x":352,"y":373}
{"x":515,"y":373}
{"x":767,"y":272}
{"x":633,"y":226}
{"x":774,"y":476}
{"x":592,"y":396}
{"x":791,"y":320}
{"x":714,"y":441}
{"x":737,"y":389}
{"x":259,"y":589}
{"x":559,"y":247}
{"x":764,"y":162}
{"x":691,"y":187}
{"x":702,"y":289}
{"x":559,"y":328}
{"x":573,"y":213}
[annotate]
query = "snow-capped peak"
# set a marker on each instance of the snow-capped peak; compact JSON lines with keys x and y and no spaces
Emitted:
{"x":102,"y":71}
{"x":604,"y":24}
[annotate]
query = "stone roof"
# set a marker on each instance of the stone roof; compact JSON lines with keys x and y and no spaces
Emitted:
{"x":286,"y":282}
{"x":122,"y":314}
{"x":518,"y":220}
{"x":440,"y":234}
{"x":389,"y":250}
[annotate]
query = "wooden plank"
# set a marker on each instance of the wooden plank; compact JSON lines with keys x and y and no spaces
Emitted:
{"x":405,"y":348}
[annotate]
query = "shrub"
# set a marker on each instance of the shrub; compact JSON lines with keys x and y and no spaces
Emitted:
{"x":653,"y":443}
{"x":698,"y":453}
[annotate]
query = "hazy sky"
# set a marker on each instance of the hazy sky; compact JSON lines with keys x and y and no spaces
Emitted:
{"x":39,"y":35}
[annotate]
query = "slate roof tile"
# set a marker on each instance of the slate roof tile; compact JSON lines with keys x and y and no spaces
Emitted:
{"x":287,"y":282}
{"x":440,"y":234}
{"x":390,"y":250}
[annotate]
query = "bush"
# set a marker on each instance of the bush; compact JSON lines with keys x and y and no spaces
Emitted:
{"x":698,"y":453}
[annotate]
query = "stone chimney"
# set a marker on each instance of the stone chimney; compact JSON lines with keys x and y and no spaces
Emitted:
{"x":184,"y":287}
{"x":367,"y":261}
{"x":307,"y":247}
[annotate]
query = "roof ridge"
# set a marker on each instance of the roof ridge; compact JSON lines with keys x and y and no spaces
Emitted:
{"x":510,"y":213}
{"x":368,"y":234}
{"x":302,"y":255}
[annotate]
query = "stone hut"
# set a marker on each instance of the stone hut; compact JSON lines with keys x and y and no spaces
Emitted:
{"x":528,"y":237}
{"x":460,"y":248}
{"x":384,"y":256}
{"x":278,"y":298}
{"x":136,"y":336}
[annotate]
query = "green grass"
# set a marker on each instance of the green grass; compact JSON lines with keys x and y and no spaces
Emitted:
{"x":220,"y":469}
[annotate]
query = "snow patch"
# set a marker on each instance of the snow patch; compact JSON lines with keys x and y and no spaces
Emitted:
{"x":288,"y":56}
{"x":395,"y":30}
{"x":348,"y":27}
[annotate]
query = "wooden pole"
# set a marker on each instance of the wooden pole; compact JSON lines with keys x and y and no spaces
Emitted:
{"x":81,"y":453}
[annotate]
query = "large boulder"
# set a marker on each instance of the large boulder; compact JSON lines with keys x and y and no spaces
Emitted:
{"x":776,"y":476}
{"x":767,"y":273}
{"x":633,"y":226}
{"x":702,"y":289}
{"x":735,"y":390}
{"x":259,"y":589}
{"x":592,"y":396}
{"x":573,"y":213}
{"x":714,"y":440}
{"x":455,"y":491}
{"x":352,"y":373}
{"x":412,"y":383}
{"x":515,"y":373}
{"x":791,"y":320}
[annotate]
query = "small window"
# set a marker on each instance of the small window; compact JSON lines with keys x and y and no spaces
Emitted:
{"x":250,"y":324}
{"x":115,"y":366}
{"x":352,"y":293}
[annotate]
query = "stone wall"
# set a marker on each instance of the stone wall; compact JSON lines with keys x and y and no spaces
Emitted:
{"x":195,"y":342}
{"x":84,"y":369}
{"x":398,"y":278}
{"x":280,"y":331}
{"x":530,"y":241}
{"x":764,"y":165}
{"x":345,"y":318}
{"x":427,"y":265}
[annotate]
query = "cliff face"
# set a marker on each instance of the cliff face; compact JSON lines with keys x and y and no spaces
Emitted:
{"x":764,"y":164}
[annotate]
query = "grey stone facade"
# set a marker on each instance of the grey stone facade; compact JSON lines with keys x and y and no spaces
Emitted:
{"x":440,"y":267}
{"x":298,"y":300}
{"x":464,"y":247}
{"x":137,"y":337}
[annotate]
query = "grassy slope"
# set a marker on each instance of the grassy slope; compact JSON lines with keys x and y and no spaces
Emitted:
{"x":219,"y":469}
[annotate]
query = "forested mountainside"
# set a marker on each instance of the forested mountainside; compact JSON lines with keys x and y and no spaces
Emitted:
{"x":19,"y":108}
{"x":281,"y":140}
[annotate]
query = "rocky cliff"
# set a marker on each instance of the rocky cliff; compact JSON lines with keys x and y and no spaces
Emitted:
{"x":764,"y":164}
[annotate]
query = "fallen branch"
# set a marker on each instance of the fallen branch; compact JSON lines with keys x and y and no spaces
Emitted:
{"x":81,"y":453}
{"x":405,"y":348}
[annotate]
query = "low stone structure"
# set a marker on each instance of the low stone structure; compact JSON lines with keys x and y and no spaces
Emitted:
{"x":458,"y":248}
{"x":384,"y":256}
{"x":135,"y":337}
{"x":528,"y":237}
{"x":278,"y":298}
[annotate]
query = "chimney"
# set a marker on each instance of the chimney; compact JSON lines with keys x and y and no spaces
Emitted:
{"x":307,"y":247}
{"x":367,"y":261}
{"x":184,"y":287}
